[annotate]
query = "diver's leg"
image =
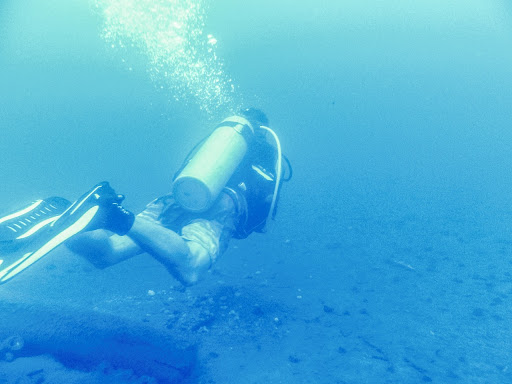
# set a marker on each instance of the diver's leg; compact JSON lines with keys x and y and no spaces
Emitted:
{"x":103,"y":249}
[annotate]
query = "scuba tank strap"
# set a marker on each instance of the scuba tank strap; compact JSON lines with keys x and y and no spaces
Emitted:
{"x":239,"y":124}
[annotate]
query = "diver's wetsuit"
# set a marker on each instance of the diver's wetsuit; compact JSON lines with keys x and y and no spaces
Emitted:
{"x":211,"y":229}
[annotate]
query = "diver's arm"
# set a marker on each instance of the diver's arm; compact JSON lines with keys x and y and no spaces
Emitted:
{"x":185,"y":260}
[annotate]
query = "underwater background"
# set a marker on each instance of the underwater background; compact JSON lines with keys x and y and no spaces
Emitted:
{"x":390,"y":257}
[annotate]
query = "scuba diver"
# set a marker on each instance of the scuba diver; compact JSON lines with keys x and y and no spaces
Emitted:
{"x":228,"y":186}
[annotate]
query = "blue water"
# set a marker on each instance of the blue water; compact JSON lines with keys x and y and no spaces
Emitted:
{"x":389,"y":261}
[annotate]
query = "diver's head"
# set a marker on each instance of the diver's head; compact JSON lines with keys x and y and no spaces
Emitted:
{"x":255,"y":116}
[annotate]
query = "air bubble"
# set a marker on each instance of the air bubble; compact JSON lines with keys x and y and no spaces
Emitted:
{"x":169,"y":33}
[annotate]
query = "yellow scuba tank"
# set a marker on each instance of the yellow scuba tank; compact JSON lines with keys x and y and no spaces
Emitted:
{"x":199,"y":183}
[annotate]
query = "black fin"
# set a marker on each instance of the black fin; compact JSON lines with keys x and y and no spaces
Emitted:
{"x":23,"y":223}
{"x":25,"y":230}
{"x":23,"y":247}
